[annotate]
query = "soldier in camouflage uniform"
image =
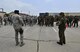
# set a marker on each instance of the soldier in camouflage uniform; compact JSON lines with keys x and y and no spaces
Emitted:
{"x":1,"y":20}
{"x":41,"y":20}
{"x":17,"y":24}
{"x":47,"y":20}
{"x":75,"y":21}
{"x":5,"y":19}
{"x":51,"y":21}
{"x":62,"y":26}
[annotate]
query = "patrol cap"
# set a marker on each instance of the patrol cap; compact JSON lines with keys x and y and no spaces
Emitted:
{"x":61,"y":13}
{"x":16,"y":11}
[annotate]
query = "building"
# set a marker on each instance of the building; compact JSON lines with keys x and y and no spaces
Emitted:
{"x":67,"y":14}
{"x":53,"y":14}
{"x":44,"y":14}
{"x":2,"y":13}
{"x":73,"y":14}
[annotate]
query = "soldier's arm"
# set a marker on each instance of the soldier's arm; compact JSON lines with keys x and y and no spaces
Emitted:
{"x":21,"y":20}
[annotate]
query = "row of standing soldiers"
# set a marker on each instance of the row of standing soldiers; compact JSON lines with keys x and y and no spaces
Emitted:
{"x":72,"y":21}
{"x":49,"y":20}
{"x":5,"y":20}
{"x":46,"y":20}
{"x":28,"y":20}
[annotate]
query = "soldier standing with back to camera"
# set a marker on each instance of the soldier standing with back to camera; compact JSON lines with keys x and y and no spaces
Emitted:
{"x":17,"y":24}
{"x":62,"y":27}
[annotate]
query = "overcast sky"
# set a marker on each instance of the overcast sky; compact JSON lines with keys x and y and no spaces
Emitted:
{"x":36,"y":6}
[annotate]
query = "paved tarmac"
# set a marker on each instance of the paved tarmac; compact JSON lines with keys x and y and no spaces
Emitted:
{"x":39,"y":39}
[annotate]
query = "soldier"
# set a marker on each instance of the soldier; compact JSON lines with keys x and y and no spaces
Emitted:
{"x":38,"y":20}
{"x":47,"y":20}
{"x":9,"y":20}
{"x":67,"y":21}
{"x":70,"y":21}
{"x":52,"y":21}
{"x":41,"y":20}
{"x":62,"y":26}
{"x":1,"y":22}
{"x":24,"y":19}
{"x":75,"y":21}
{"x":5,"y":19}
{"x":17,"y":24}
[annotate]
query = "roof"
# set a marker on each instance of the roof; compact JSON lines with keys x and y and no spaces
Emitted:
{"x":2,"y":12}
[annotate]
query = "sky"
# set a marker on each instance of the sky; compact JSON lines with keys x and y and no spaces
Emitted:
{"x":34,"y":7}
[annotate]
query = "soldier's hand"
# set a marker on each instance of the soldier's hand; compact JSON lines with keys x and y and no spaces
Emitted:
{"x":57,"y":23}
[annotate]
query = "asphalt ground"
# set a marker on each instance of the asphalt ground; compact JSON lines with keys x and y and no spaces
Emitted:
{"x":40,"y":39}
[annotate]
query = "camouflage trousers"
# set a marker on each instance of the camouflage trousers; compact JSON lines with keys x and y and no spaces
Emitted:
{"x":62,"y":36}
{"x":17,"y":32}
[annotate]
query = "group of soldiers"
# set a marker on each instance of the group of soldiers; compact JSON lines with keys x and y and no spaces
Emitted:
{"x":72,"y":21}
{"x":5,"y":20}
{"x":19,"y":21}
{"x":60,"y":22}
{"x":46,"y":20}
{"x":28,"y":20}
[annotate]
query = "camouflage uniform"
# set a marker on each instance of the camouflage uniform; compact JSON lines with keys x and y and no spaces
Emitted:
{"x":41,"y":20}
{"x":75,"y":21}
{"x":51,"y":20}
{"x":1,"y":22}
{"x":47,"y":20}
{"x":17,"y":24}
{"x":5,"y":20}
{"x":62,"y":27}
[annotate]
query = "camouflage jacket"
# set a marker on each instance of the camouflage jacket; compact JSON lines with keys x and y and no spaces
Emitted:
{"x":61,"y":23}
{"x":17,"y":21}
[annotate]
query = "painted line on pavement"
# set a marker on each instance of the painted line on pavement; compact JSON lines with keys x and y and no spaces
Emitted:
{"x":54,"y":29}
{"x":37,"y":46}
